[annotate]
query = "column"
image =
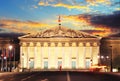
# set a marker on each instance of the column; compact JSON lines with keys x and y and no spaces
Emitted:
{"x":67,"y":55}
{"x":28,"y":56}
{"x":81,"y":55}
{"x":24,"y":54}
{"x":38,"y":58}
{"x":59,"y":53}
{"x":21,"y":57}
{"x":52,"y":55}
{"x":74,"y":54}
{"x":35,"y":56}
{"x":95,"y":52}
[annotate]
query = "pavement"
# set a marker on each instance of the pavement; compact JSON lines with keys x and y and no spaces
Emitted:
{"x":59,"y":76}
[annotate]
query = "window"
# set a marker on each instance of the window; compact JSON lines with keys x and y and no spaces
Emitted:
{"x":45,"y":64}
{"x":73,"y":64}
{"x":59,"y":64}
{"x":31,"y":63}
{"x":88,"y":63}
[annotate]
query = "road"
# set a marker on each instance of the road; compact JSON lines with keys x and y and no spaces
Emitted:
{"x":59,"y":76}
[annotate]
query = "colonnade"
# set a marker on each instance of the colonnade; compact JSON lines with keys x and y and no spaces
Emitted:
{"x":51,"y":55}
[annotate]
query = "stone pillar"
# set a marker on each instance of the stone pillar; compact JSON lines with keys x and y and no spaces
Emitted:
{"x":35,"y":56}
{"x":81,"y":56}
{"x":38,"y":56}
{"x":21,"y":57}
{"x":52,"y":56}
{"x":74,"y":54}
{"x":95,"y":52}
{"x":67,"y":55}
{"x":23,"y":54}
{"x":28,"y":55}
{"x":59,"y":53}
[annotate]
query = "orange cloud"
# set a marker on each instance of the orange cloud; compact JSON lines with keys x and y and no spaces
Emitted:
{"x":96,"y":2}
{"x":83,"y":22}
{"x":23,"y":26}
{"x":60,"y":4}
{"x":73,"y":4}
{"x":105,"y":31}
{"x":70,"y":6}
{"x":80,"y":22}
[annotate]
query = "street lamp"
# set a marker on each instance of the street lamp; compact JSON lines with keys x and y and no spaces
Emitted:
{"x":10,"y":47}
{"x":1,"y":62}
{"x":111,"y":58}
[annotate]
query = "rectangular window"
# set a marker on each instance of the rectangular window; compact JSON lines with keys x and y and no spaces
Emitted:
{"x":59,"y":64}
{"x":73,"y":64}
{"x":45,"y":64}
{"x":31,"y":64}
{"x":88,"y":63}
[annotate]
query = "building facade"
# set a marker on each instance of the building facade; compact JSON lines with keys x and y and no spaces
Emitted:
{"x":58,"y":47}
{"x":9,"y":54}
{"x":110,"y":46}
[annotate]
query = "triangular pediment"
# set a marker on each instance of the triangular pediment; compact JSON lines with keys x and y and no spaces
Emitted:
{"x":59,"y":32}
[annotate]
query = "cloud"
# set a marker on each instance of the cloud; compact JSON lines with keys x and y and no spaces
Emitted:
{"x":78,"y":18}
{"x":1,"y":30}
{"x":102,"y":25}
{"x":65,"y":5}
{"x":79,"y":22}
{"x":70,"y":6}
{"x":112,"y":20}
{"x":74,"y":4}
{"x":22,"y":26}
{"x":97,"y":2}
{"x":116,"y":3}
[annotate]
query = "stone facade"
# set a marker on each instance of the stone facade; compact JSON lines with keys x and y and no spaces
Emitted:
{"x":58,"y":47}
{"x":110,"y":46}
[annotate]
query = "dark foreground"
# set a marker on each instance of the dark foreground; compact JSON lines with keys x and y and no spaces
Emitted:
{"x":59,"y":76}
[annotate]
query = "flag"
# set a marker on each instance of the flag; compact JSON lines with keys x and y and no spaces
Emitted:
{"x":59,"y":19}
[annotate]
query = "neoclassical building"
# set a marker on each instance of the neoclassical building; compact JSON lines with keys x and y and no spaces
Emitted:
{"x":58,"y":47}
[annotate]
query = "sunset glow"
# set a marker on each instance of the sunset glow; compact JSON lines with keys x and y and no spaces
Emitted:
{"x":29,"y":16}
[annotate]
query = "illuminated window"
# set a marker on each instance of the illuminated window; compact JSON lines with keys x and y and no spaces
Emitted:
{"x":45,"y":64}
{"x":88,"y":63}
{"x":73,"y":64}
{"x":59,"y":64}
{"x":31,"y":63}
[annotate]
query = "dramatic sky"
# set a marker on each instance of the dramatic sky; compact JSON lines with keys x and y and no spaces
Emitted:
{"x":99,"y":17}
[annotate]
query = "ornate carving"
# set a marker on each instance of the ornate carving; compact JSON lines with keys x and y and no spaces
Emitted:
{"x":60,"y":32}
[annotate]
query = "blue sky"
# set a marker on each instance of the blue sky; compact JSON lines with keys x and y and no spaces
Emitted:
{"x":29,"y":16}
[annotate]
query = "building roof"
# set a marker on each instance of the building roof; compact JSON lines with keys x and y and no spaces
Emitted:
{"x":59,"y":32}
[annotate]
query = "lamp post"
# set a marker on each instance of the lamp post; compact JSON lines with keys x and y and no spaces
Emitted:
{"x":14,"y":58}
{"x":111,"y":66}
{"x":1,"y":62}
{"x":10,"y":47}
